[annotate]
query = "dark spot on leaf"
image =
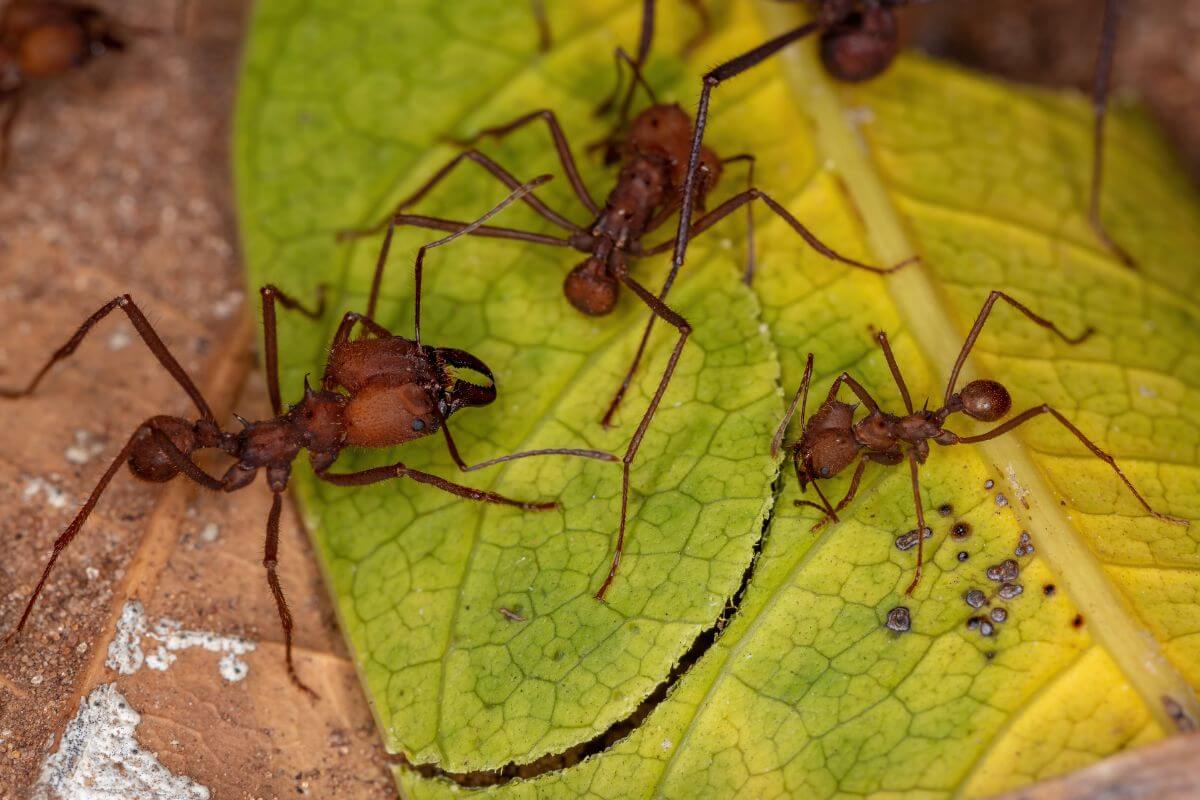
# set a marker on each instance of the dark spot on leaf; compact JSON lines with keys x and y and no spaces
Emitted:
{"x":945,"y":509}
{"x":961,"y":530}
{"x":1078,"y":621}
{"x":899,"y":619}
{"x":975,"y":598}
{"x":1049,"y":589}
{"x":963,"y":555}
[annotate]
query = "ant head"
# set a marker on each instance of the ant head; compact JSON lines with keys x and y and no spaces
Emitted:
{"x":148,"y":460}
{"x":861,"y":45}
{"x":456,"y":391}
{"x":590,"y":288}
{"x":829,"y":451}
{"x":985,"y":400}
{"x":663,"y":128}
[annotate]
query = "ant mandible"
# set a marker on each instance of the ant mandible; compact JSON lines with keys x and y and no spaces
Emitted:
{"x":859,"y":40}
{"x":645,"y":196}
{"x":45,"y":39}
{"x":376,"y":392}
{"x":831,"y":440}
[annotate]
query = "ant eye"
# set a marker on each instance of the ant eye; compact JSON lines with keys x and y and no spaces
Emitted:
{"x":824,"y":472}
{"x":418,"y":424}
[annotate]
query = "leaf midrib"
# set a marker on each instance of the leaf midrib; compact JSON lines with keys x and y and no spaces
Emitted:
{"x":1135,"y":651}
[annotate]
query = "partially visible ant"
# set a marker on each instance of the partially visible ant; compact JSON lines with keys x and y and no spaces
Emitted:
{"x":831,"y":440}
{"x":46,"y":39}
{"x":645,"y":196}
{"x":859,"y":39}
{"x":376,"y":392}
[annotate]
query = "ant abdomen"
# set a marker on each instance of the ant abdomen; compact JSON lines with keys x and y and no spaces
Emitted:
{"x":861,"y":48}
{"x":147,"y":459}
{"x":591,"y":289}
{"x":985,"y":400}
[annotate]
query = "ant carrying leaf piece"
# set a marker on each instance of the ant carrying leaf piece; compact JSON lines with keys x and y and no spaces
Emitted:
{"x":831,"y":440}
{"x":859,"y":39}
{"x":381,"y":390}
{"x":645,"y":196}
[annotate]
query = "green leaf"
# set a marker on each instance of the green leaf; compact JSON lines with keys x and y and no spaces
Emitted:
{"x":805,"y":692}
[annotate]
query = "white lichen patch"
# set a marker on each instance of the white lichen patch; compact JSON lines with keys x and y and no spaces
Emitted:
{"x":85,"y":448}
{"x":99,"y":758}
{"x":1019,"y":491}
{"x":55,"y":497}
{"x":126,"y":656}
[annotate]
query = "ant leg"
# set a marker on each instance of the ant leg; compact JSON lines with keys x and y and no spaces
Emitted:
{"x":845,"y":501}
{"x":519,"y":193}
{"x":1101,"y":87}
{"x":984,"y":312}
{"x":713,"y":78}
{"x":914,"y":470}
{"x":494,"y":169}
{"x":751,"y":262}
{"x":561,"y":147}
{"x":859,"y":390}
{"x":645,"y":40}
{"x":270,"y":293}
{"x":800,"y":399}
{"x":179,"y":459}
{"x":538,"y":7}
{"x":672,"y":318}
{"x":598,"y":455}
{"x":399,"y":470}
{"x":620,"y":56}
{"x":270,"y":562}
{"x":897,"y":376}
{"x":1024,"y":417}
{"x":64,"y":539}
{"x":749,"y":196}
{"x":12,"y":109}
{"x":149,"y":336}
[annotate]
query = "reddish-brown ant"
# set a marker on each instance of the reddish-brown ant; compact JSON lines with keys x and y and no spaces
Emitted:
{"x":44,"y":39}
{"x":858,"y":40}
{"x":376,"y":392}
{"x":645,"y":196}
{"x":831,"y":440}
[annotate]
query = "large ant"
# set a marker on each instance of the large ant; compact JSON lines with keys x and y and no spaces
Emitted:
{"x":645,"y":196}
{"x":45,"y":39}
{"x":859,"y":40}
{"x":376,"y":392}
{"x":831,"y":440}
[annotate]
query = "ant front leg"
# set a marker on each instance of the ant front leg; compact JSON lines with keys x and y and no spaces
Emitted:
{"x":832,"y":516}
{"x":1024,"y":417}
{"x":496,"y":171}
{"x":270,"y":295}
{"x":399,"y":470}
{"x":672,"y":318}
{"x":897,"y":376}
{"x":145,"y":331}
{"x":801,"y":399}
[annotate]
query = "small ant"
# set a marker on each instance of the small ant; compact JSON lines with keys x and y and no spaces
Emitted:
{"x":645,"y":196}
{"x":44,"y":39}
{"x":859,"y":40}
{"x":831,"y":440}
{"x":376,"y":392}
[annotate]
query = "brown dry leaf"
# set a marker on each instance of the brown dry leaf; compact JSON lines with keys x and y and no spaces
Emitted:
{"x":118,"y":184}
